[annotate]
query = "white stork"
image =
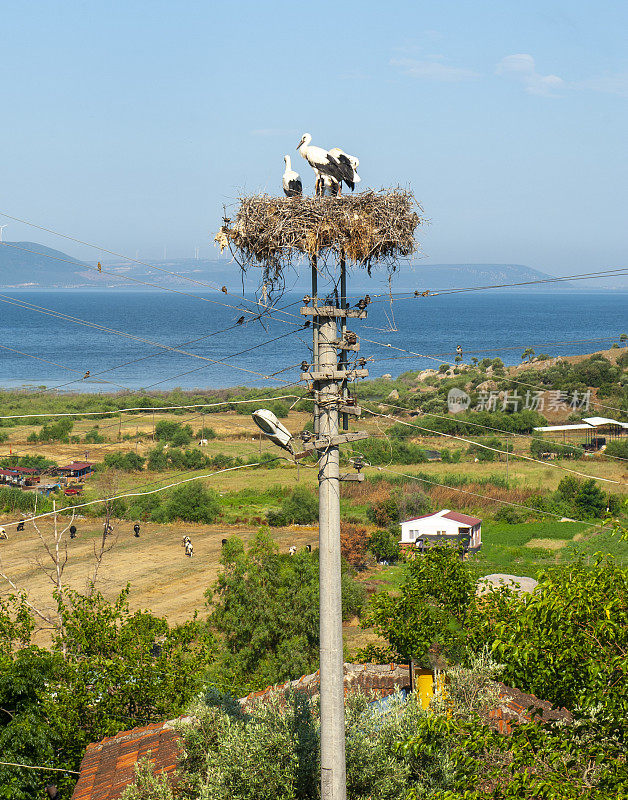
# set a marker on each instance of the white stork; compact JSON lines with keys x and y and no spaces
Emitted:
{"x":329,"y":186}
{"x":292,"y":185}
{"x":349,"y":165}
{"x":320,"y":160}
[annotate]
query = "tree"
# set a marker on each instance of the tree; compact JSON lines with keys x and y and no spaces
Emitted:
{"x":299,"y":507}
{"x":432,"y":611}
{"x":190,"y":502}
{"x":107,"y":670}
{"x":384,"y":544}
{"x":567,"y":642}
{"x":528,"y":353}
{"x":354,"y":544}
{"x":590,"y":499}
{"x":264,"y":605}
{"x":623,"y":338}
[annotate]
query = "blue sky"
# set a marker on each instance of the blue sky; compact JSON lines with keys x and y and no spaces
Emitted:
{"x":131,"y":123}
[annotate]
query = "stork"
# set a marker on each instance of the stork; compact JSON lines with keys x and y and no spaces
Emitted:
{"x":321,"y":162}
{"x":292,"y":185}
{"x":330,"y":186}
{"x":349,"y":165}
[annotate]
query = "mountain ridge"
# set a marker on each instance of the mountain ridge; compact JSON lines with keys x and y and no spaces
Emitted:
{"x":29,"y":265}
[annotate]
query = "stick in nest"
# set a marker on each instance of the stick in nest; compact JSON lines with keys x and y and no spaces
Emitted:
{"x":369,"y":228}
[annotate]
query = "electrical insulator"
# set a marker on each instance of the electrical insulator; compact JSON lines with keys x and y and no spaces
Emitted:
{"x":304,"y":366}
{"x":367,"y":299}
{"x":362,"y":362}
{"x":305,"y":436}
{"x":351,"y":337}
{"x":306,"y":299}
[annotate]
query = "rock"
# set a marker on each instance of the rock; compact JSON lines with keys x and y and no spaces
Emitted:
{"x":426,"y":373}
{"x":394,"y":395}
{"x":489,"y":372}
{"x":522,"y":585}
{"x":387,"y":377}
{"x":486,"y":386}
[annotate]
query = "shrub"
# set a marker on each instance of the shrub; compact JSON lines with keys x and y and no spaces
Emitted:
{"x":174,"y":433}
{"x":127,"y":462}
{"x":93,"y":437}
{"x":206,"y":433}
{"x":273,"y":750}
{"x":617,"y":448}
{"x":300,"y":507}
{"x":384,"y":544}
{"x":190,"y":503}
{"x":354,"y":544}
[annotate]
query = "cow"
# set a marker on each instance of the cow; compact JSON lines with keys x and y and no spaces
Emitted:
{"x":3,"y":534}
{"x":189,"y":549}
{"x":292,"y":550}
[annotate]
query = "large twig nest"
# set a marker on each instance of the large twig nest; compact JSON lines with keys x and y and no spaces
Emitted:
{"x":370,"y":228}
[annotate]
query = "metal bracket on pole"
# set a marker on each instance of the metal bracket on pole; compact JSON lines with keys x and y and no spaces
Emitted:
{"x":335,"y":375}
{"x":332,"y":311}
{"x":331,"y":441}
{"x":352,"y":476}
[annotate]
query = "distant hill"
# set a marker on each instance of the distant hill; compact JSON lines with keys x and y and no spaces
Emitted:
{"x":40,"y":267}
{"x":45,"y":268}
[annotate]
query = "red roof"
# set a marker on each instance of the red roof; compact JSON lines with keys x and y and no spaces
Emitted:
{"x":108,"y":766}
{"x":77,"y":465}
{"x":25,"y":470}
{"x":462,"y":518}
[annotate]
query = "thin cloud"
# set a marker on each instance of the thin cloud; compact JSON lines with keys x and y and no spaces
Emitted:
{"x":432,"y":69}
{"x":521,"y":67}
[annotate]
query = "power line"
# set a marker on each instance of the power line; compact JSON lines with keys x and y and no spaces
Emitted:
{"x":142,"y":494}
{"x":206,"y":284}
{"x":606,"y":273}
{"x":104,"y":271}
{"x":45,"y":769}
{"x":487,"y":427}
{"x":77,"y":320}
{"x":495,"y":449}
{"x":448,"y":363}
{"x":482,"y":496}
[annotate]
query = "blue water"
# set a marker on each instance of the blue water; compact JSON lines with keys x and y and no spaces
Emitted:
{"x":484,"y":323}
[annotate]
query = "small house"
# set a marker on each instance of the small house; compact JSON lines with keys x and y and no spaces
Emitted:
{"x":76,"y":469}
{"x":444,"y":525}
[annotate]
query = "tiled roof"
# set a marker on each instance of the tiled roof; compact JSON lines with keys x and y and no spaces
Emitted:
{"x":108,"y":766}
{"x":464,"y":519}
{"x":77,"y":465}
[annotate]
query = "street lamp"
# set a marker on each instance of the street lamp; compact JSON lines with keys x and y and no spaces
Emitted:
{"x":270,"y":426}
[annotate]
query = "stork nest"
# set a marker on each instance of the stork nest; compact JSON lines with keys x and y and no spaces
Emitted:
{"x":367,"y":228}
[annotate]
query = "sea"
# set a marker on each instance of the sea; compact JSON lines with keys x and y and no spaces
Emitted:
{"x":115,"y":341}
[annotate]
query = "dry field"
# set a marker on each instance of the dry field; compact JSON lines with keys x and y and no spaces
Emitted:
{"x":162,"y":578}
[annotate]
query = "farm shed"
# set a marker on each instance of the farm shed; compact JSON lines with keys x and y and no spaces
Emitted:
{"x":595,"y":431}
{"x":444,"y":525}
{"x":76,"y":469}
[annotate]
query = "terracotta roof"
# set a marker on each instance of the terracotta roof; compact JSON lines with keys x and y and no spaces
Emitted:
{"x":77,"y":465}
{"x":463,"y":518}
{"x":108,"y":766}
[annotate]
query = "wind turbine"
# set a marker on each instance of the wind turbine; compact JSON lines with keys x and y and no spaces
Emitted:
{"x":2,"y":227}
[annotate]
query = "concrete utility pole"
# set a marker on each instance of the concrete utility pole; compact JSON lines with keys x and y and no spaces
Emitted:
{"x":329,"y":378}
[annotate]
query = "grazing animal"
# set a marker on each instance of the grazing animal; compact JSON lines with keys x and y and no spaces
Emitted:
{"x":136,"y":529}
{"x":3,"y":534}
{"x":186,"y":541}
{"x":224,"y":542}
{"x":189,"y":550}
{"x":308,"y":547}
{"x":72,"y":531}
{"x":291,"y":181}
{"x":20,"y":526}
{"x":292,"y":550}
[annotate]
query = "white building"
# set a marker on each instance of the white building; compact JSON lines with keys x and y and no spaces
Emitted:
{"x":443,"y":525}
